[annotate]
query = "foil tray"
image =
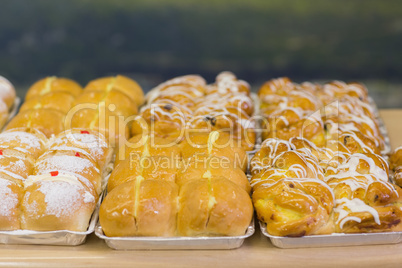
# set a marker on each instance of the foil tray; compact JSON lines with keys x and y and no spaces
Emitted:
{"x":13,"y":111}
{"x":174,"y":243}
{"x":333,"y":240}
{"x":341,"y":239}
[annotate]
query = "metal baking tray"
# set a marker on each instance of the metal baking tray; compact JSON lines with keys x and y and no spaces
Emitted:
{"x":333,"y":240}
{"x":59,"y":238}
{"x":13,"y":111}
{"x":174,"y":243}
{"x":341,"y":239}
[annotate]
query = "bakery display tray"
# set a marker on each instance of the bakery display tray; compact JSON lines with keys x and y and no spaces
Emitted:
{"x":174,"y":243}
{"x":333,"y":240}
{"x":13,"y":111}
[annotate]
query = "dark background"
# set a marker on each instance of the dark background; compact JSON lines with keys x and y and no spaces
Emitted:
{"x":155,"y":40}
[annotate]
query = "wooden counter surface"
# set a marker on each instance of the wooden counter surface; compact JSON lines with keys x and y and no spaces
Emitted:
{"x":256,"y":251}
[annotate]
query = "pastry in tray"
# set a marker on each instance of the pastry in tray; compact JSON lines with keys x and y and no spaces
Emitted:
{"x":188,"y":103}
{"x":47,"y":103}
{"x":7,"y":98}
{"x":203,"y":194}
{"x":183,"y":172}
{"x":337,"y":183}
{"x":57,"y":190}
{"x":52,"y":166}
{"x":318,"y":113}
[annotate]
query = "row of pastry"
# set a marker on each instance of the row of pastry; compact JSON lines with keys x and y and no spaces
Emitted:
{"x":320,"y":170}
{"x":50,"y":184}
{"x":53,"y":105}
{"x":187,"y":102}
{"x":183,"y":174}
{"x":55,"y":152}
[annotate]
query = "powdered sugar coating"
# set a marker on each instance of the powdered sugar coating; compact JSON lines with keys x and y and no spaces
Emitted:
{"x":60,"y":197}
{"x":8,"y":199}
{"x":67,"y":163}
{"x":21,"y":141}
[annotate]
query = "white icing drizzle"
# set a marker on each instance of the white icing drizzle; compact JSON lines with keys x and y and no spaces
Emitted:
{"x":354,"y":205}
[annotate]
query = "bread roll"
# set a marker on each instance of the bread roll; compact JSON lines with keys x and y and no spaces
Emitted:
{"x":203,"y":145}
{"x":91,"y":144}
{"x":114,"y":100}
{"x":48,"y":121}
{"x":101,"y":120}
{"x":53,"y":84}
{"x":60,"y":101}
{"x":148,"y":145}
{"x":80,"y":167}
{"x":56,"y":202}
{"x":193,"y":170}
{"x":213,"y":207}
{"x":140,"y":208}
{"x":120,"y":83}
{"x":151,"y":167}
{"x":10,"y":196}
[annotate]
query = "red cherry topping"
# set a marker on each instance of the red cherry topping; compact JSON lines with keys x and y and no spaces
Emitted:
{"x":54,"y":173}
{"x":1,"y":152}
{"x":77,"y":154}
{"x":84,"y":132}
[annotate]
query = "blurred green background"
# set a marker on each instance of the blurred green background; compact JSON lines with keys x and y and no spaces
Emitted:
{"x":154,"y":40}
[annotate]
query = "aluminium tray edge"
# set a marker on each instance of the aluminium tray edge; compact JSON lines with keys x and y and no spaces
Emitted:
{"x":12,"y":112}
{"x":58,"y":238}
{"x":174,"y":243}
{"x":333,"y":240}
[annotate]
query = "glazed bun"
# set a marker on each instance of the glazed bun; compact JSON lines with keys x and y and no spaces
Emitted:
{"x":114,"y":101}
{"x":194,"y":170}
{"x":53,"y":84}
{"x":105,"y":122}
{"x":119,"y":83}
{"x":151,"y":167}
{"x":56,"y":202}
{"x":205,"y":145}
{"x":140,"y":208}
{"x":48,"y":121}
{"x":147,"y":145}
{"x":60,"y":101}
{"x":213,"y":207}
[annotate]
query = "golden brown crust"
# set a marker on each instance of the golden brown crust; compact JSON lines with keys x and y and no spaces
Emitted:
{"x":119,"y":83}
{"x":48,"y":121}
{"x":61,"y":101}
{"x":52,"y":204}
{"x":213,"y":207}
{"x":53,"y":84}
{"x":293,"y":207}
{"x":146,"y":208}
